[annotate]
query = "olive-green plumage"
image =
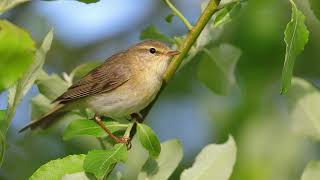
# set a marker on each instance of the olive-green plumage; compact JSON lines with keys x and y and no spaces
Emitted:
{"x":124,"y":84}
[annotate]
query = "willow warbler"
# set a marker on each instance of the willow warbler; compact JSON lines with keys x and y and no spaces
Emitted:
{"x":124,"y":84}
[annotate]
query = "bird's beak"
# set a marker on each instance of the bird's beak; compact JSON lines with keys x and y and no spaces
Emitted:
{"x":172,"y":53}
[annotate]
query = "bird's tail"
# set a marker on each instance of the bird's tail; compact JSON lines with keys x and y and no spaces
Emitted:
{"x":46,"y":120}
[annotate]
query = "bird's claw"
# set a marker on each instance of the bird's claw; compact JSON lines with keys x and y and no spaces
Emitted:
{"x":125,"y":140}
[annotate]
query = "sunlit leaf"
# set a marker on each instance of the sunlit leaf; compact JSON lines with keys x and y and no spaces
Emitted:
{"x":52,"y":86}
{"x":164,"y":165}
{"x":149,"y":139}
{"x":215,"y":161}
{"x":216,"y":68}
{"x":17,"y":92}
{"x":312,"y":171}
{"x":89,"y":127}
{"x":296,"y":37}
{"x":5,"y":5}
{"x":151,"y":32}
{"x":100,"y":162}
{"x":315,"y":6}
{"x":76,"y":176}
{"x":303,"y":103}
{"x":17,"y":52}
{"x":56,"y":169}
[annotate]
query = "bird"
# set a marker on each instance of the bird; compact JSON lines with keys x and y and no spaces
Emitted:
{"x":126,"y":83}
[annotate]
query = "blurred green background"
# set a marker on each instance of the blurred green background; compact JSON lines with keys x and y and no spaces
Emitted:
{"x":254,"y":112}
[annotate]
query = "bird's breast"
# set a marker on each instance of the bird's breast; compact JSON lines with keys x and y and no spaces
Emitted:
{"x":131,"y":97}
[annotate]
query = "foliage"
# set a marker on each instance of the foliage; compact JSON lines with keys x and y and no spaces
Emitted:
{"x":303,"y":101}
{"x":296,"y":37}
{"x":312,"y":171}
{"x":164,"y":165}
{"x":315,"y":6}
{"x":13,"y":51}
{"x":149,"y":139}
{"x":56,"y":169}
{"x":215,"y":67}
{"x":218,"y":166}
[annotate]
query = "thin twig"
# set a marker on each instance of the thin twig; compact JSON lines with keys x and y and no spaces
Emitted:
{"x":179,"y":14}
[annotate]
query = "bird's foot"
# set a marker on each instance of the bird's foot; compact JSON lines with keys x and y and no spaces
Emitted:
{"x":124,"y":140}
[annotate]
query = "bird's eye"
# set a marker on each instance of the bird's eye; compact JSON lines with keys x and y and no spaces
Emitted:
{"x":152,"y":50}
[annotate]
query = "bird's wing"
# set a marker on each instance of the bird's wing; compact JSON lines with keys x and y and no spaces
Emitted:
{"x":106,"y":77}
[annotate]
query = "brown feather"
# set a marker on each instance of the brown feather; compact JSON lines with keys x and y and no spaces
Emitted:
{"x":106,"y":77}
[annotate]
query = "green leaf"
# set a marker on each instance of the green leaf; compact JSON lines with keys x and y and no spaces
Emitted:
{"x":83,"y":69}
{"x":149,"y":139}
{"x":100,"y":162}
{"x":56,"y":169}
{"x":17,"y":51}
{"x":151,"y":32}
{"x":226,"y":14}
{"x":5,"y":5}
{"x":303,"y":102}
{"x":163,"y":166}
{"x":52,"y":86}
{"x":40,"y":105}
{"x":89,"y":127}
{"x":76,"y":176}
{"x":296,"y":37}
{"x":312,"y":171}
{"x":215,"y":161}
{"x":315,"y":6}
{"x":169,"y":18}
{"x":17,"y":92}
{"x":216,"y":68}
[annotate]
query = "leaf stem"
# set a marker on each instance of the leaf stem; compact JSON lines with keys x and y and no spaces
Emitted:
{"x":179,"y":14}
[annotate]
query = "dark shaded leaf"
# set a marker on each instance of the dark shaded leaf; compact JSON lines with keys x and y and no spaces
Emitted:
{"x":151,"y":32}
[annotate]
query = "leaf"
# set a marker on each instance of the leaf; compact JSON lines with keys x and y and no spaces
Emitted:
{"x":88,"y":1}
{"x":17,"y":92}
{"x":17,"y":51}
{"x":149,"y":139}
{"x":52,"y":86}
{"x":83,"y":69}
{"x":56,"y":169}
{"x":163,"y":166}
{"x":89,"y":127}
{"x":312,"y":171}
{"x":169,"y":18}
{"x":75,"y":176}
{"x":215,"y":161}
{"x":315,"y":6}
{"x":100,"y":162}
{"x":151,"y":32}
{"x":303,"y":102}
{"x":5,"y":5}
{"x":40,"y":105}
{"x":296,"y":37}
{"x":226,"y":14}
{"x":217,"y":66}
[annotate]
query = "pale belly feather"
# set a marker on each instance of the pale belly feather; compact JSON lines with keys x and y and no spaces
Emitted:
{"x":129,"y":98}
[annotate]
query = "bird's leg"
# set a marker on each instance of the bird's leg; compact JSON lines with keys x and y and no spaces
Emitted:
{"x":124,"y":140}
{"x":137,"y":116}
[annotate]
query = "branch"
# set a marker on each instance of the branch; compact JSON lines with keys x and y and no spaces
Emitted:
{"x":184,"y":49}
{"x":179,"y":14}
